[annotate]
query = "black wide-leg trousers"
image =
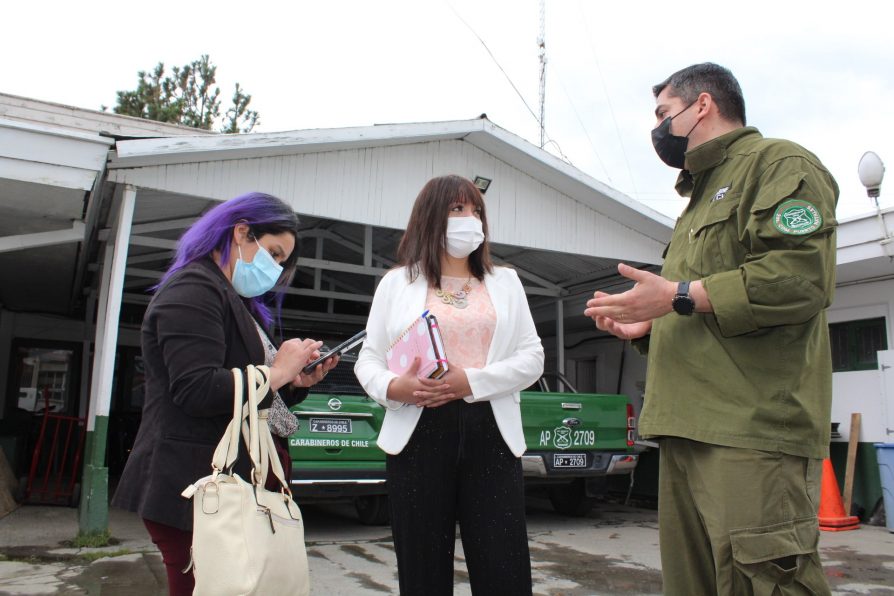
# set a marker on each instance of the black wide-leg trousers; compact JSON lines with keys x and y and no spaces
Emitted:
{"x":457,"y":468}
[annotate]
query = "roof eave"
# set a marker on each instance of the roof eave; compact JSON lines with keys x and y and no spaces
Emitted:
{"x":189,"y":149}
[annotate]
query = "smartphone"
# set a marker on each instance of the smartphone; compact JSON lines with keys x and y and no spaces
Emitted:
{"x":338,"y":350}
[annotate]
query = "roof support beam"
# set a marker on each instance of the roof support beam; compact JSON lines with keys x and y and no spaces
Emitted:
{"x":523,"y":273}
{"x":320,"y":265}
{"x":38,"y":239}
{"x":338,"y":239}
{"x":343,"y":267}
{"x":164,"y":225}
{"x":367,"y":246}
{"x":91,"y":223}
{"x":329,"y":294}
{"x":147,"y":273}
{"x":318,"y":254}
{"x":316,"y":293}
{"x":337,"y":283}
{"x":155,"y":226}
{"x":151,"y":257}
{"x":542,"y":291}
{"x":153,"y":242}
{"x":287,"y":313}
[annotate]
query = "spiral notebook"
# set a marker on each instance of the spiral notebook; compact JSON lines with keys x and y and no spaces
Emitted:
{"x":423,"y":339}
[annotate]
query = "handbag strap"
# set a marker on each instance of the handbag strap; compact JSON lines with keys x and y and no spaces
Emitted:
{"x":253,"y":438}
{"x":228,"y":448}
{"x":262,"y":448}
{"x":275,"y":464}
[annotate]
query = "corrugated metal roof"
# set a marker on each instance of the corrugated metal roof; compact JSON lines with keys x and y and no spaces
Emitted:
{"x":59,"y":115}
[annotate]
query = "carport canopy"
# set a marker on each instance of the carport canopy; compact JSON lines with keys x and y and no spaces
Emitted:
{"x":353,"y":189}
{"x":91,"y":210}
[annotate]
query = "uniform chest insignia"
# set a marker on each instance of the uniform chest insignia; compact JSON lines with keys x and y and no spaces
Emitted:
{"x":797,"y":218}
{"x":720,"y":193}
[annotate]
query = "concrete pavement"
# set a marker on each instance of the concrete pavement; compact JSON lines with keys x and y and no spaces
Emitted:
{"x":614,"y":550}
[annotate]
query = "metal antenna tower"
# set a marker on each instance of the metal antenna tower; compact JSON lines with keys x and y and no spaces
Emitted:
{"x":541,"y":43}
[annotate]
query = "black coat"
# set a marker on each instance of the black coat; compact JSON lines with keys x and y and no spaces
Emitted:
{"x":195,"y":330}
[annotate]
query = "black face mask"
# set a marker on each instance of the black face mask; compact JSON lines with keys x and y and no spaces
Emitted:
{"x":669,"y":147}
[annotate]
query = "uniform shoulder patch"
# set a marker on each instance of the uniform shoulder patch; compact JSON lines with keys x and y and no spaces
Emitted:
{"x":797,"y":217}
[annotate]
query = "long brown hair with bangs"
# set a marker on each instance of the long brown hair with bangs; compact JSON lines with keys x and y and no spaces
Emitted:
{"x":425,"y":240}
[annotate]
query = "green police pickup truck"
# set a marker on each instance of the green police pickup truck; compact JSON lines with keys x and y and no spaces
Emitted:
{"x":575,"y":440}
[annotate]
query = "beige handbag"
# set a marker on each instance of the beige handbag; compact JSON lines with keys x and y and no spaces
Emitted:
{"x":247,"y":540}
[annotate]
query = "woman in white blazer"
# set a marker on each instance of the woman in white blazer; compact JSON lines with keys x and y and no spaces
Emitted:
{"x":454,"y":444}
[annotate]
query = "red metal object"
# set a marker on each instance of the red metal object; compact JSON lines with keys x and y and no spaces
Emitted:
{"x":51,"y":479}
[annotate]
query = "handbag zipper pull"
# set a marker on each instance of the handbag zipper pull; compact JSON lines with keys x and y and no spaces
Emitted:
{"x":269,"y":516}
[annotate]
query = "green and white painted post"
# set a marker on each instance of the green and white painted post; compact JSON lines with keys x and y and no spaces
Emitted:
{"x":93,"y":515}
{"x":560,"y":344}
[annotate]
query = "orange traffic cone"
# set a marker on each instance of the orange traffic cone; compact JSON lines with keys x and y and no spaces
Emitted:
{"x":832,"y":517}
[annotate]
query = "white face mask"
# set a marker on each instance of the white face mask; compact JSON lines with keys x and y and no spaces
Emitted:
{"x":464,"y":236}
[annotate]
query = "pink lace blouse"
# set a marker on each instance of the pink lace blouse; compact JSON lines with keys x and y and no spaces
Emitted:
{"x":468,"y":331}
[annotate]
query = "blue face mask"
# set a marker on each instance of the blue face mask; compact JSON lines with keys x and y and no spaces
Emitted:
{"x":258,"y":277}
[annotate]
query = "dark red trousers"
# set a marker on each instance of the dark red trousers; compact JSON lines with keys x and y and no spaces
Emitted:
{"x":174,"y":545}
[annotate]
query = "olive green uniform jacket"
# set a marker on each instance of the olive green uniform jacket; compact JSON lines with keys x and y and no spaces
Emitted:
{"x":759,"y":231}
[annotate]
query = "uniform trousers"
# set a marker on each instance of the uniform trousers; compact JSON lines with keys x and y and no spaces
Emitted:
{"x":736,"y":521}
{"x":457,"y":468}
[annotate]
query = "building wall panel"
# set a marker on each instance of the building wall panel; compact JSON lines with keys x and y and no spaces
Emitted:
{"x":377,"y":186}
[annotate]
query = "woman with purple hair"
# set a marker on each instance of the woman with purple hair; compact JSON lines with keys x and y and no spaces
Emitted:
{"x":208,"y":315}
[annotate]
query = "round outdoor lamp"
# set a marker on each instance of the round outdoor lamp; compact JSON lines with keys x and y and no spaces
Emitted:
{"x":871,"y":171}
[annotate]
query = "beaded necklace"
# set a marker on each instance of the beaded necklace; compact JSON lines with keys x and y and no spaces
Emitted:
{"x":457,"y":299}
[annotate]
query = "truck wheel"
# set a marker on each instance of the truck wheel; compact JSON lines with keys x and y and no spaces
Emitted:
{"x":571,"y":499}
{"x":372,"y":510}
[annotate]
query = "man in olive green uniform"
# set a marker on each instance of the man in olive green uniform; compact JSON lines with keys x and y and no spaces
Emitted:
{"x":739,"y":382}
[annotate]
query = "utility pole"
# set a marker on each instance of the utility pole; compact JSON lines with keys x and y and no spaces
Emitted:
{"x":541,"y":43}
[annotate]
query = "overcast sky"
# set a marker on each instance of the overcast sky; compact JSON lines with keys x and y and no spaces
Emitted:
{"x":818,"y":72}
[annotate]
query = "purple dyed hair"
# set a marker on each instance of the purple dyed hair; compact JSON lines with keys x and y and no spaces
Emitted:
{"x":264,"y":214}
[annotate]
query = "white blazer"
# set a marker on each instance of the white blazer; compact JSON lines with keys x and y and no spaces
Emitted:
{"x":514,"y":361}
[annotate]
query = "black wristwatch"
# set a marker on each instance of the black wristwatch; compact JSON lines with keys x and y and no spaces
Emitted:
{"x":683,"y":304}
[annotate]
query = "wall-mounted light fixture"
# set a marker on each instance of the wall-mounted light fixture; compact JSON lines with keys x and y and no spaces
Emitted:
{"x":481,"y":183}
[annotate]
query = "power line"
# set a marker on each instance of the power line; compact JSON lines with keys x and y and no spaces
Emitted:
{"x":494,"y":58}
{"x":608,"y":98}
{"x":584,"y":129}
{"x":543,"y":132}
